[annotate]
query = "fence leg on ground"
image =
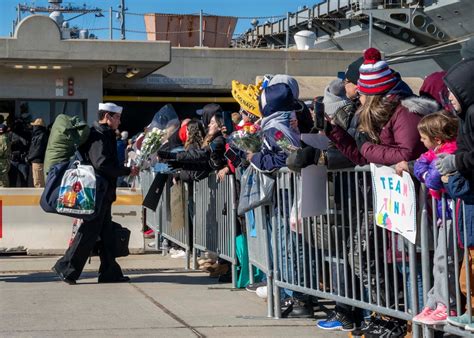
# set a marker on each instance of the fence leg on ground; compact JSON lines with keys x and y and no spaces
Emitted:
{"x":414,"y":289}
{"x":194,"y":258}
{"x":188,"y":259}
{"x":276,"y":266}
{"x":251,"y":279}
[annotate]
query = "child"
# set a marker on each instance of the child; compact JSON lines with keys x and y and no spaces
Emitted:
{"x":438,"y":133}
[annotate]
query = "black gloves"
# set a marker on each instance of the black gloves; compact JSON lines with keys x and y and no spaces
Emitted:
{"x":328,"y":128}
{"x":361,"y":138}
{"x":166,"y":155}
{"x":302,"y":158}
{"x":174,"y":164}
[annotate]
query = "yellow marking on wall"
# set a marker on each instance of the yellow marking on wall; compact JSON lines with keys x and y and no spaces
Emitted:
{"x":33,"y":200}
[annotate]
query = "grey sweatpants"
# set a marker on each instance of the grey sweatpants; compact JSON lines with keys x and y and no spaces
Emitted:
{"x":443,"y":280}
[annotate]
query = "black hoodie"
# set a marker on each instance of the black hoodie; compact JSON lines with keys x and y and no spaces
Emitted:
{"x":208,"y":111}
{"x":38,"y":144}
{"x":460,"y":81}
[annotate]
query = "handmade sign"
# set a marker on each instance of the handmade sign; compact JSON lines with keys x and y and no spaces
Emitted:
{"x":395,"y":201}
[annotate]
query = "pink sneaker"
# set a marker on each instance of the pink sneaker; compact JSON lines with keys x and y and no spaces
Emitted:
{"x":419,"y":318}
{"x":438,"y":316}
{"x":149,"y":234}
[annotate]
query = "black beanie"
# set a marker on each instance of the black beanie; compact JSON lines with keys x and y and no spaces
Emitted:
{"x":352,"y":72}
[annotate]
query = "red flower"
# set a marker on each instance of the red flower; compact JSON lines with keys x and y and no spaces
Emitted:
{"x":278,"y":135}
{"x":77,"y":186}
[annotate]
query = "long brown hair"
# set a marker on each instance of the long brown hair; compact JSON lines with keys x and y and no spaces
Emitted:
{"x":209,"y":137}
{"x":195,"y":134}
{"x":375,"y":113}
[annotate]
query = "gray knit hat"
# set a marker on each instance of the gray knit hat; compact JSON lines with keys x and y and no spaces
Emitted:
{"x":467,"y":50}
{"x":334,"y":97}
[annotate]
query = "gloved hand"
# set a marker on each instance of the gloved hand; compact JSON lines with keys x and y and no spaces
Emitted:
{"x":302,"y":158}
{"x":328,"y":128}
{"x":174,"y":164}
{"x":446,"y":164}
{"x":361,"y":138}
{"x":166,"y":155}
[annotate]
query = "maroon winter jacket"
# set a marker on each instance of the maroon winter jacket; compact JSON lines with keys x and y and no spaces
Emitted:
{"x":399,"y":138}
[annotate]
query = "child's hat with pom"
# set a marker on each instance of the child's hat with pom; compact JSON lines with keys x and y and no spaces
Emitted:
{"x":376,"y":78}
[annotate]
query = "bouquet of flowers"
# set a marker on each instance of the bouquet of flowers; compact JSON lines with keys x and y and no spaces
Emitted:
{"x":152,"y":141}
{"x":248,"y":139}
{"x":283,"y":142}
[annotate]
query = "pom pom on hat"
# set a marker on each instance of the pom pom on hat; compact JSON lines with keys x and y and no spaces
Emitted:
{"x":376,"y":78}
{"x":372,"y":55}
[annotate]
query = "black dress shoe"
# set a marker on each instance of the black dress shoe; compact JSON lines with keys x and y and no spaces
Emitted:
{"x":294,"y":308}
{"x":62,"y":277}
{"x":123,"y":279}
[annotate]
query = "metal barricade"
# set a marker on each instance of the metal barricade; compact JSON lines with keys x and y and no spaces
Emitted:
{"x":257,"y":226}
{"x":204,"y":221}
{"x":178,"y":235}
{"x":215,"y":219}
{"x":344,"y":256}
{"x":151,"y":218}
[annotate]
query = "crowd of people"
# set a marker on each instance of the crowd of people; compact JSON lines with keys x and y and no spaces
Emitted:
{"x":23,"y":150}
{"x":369,"y":116}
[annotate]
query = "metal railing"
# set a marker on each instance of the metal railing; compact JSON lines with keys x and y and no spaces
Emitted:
{"x":210,"y":218}
{"x":344,"y":256}
{"x":215,"y":219}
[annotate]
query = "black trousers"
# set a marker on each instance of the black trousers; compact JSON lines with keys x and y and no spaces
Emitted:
{"x":73,"y":261}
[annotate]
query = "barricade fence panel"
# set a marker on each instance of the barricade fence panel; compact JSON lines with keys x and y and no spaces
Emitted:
{"x":226,"y":219}
{"x":205,"y":222}
{"x":175,"y":223}
{"x":215,"y":216}
{"x":344,"y":256}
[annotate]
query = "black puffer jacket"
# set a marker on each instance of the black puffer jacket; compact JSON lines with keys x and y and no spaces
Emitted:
{"x":460,"y":81}
{"x":100,"y":151}
{"x":38,"y":144}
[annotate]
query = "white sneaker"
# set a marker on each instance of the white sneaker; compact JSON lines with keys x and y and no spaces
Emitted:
{"x":151,"y":244}
{"x":262,"y":292}
{"x":179,"y":254}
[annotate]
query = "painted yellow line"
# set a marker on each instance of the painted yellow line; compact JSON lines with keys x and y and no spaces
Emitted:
{"x":32,"y":200}
{"x":191,"y":99}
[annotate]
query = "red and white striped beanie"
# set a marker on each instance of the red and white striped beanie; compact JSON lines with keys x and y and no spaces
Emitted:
{"x":376,"y":78}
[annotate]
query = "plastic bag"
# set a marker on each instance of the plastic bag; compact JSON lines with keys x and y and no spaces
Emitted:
{"x":296,"y":222}
{"x":165,"y":117}
{"x":77,"y":193}
{"x":256,"y":189}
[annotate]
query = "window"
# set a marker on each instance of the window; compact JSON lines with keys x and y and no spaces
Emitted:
{"x":70,"y":108}
{"x":29,"y":110}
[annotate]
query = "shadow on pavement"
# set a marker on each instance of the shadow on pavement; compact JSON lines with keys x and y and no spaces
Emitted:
{"x":137,"y":276}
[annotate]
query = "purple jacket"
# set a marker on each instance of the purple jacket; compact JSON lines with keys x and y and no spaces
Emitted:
{"x":399,"y":138}
{"x":426,"y":172}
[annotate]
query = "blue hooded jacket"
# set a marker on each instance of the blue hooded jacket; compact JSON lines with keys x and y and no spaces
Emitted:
{"x":459,"y":187}
{"x":276,"y":103}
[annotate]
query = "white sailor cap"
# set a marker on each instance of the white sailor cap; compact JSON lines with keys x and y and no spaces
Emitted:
{"x":110,"y":107}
